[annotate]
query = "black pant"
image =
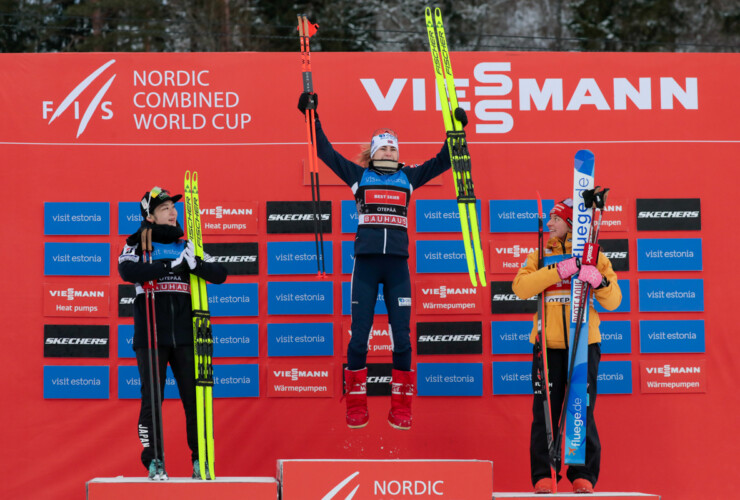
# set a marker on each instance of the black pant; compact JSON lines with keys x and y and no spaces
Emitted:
{"x":182,"y":361}
{"x":557,"y":360}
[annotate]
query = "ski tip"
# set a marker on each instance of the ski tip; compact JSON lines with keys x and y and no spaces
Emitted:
{"x":584,"y":161}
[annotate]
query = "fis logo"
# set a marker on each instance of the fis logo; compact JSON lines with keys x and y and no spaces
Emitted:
{"x":668,"y":370}
{"x":71,"y":101}
{"x":333,"y":493}
{"x":71,"y":293}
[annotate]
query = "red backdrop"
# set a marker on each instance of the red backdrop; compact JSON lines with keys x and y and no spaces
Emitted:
{"x":681,"y":446}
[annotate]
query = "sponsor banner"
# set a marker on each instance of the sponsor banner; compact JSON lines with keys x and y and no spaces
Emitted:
{"x":616,"y":337}
{"x":464,"y":337}
{"x":379,"y":377}
{"x":509,"y":252}
{"x":669,"y":214}
{"x":669,"y":336}
{"x":76,"y":218}
{"x":511,"y":337}
{"x":76,"y":382}
{"x":236,"y":381}
{"x":380,"y":337}
{"x":297,"y":257}
{"x":455,"y":296}
{"x":348,"y":257}
{"x":449,"y":379}
{"x":129,"y":383}
{"x":441,"y":256}
{"x":380,"y":307}
{"x":229,"y":218}
{"x":233,"y":299}
{"x":518,"y":216}
{"x":129,"y":216}
{"x":624,"y":306}
{"x":300,"y":297}
{"x":512,"y":377}
{"x":300,"y":380}
{"x":504,"y":301}
{"x":350,"y":219}
{"x":615,"y":377}
{"x":617,"y":215}
{"x":669,"y":295}
{"x":617,"y":251}
{"x":76,"y":341}
{"x":296,"y":217}
{"x":126,"y":297}
{"x":440,"y":216}
{"x":235,"y":340}
{"x":300,"y":339}
{"x":669,"y":254}
{"x":76,"y":259}
{"x":375,"y":479}
{"x":76,"y":299}
{"x":237,"y":258}
{"x":126,"y":341}
{"x":673,"y":376}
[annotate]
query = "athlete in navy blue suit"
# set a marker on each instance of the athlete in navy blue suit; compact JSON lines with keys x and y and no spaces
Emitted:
{"x":382,"y":191}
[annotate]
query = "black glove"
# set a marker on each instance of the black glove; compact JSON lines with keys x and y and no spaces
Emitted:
{"x":308,"y":101}
{"x":461,"y":116}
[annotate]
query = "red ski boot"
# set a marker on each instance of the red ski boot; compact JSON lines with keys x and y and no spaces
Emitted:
{"x":402,"y":389}
{"x":355,"y":386}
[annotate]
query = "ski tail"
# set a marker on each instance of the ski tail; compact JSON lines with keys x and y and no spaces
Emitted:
{"x":457,"y":145}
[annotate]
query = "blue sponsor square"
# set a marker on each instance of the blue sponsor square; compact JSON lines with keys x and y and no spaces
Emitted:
{"x":348,"y":257}
{"x":517,"y":216}
{"x":300,"y":297}
{"x":512,"y":377}
{"x":350,"y":219}
{"x":236,"y":381}
{"x":76,"y":382}
{"x":449,"y":379}
{"x":300,"y":339}
{"x":126,"y":341}
{"x":76,"y":218}
{"x":129,"y":216}
{"x":233,"y":299}
{"x":297,"y":257}
{"x":615,"y":377}
{"x":441,"y":256}
{"x":235,"y":340}
{"x":440,"y":216}
{"x":511,"y":337}
{"x":671,"y":295}
{"x":129,"y":383}
{"x":669,"y":254}
{"x":624,"y":306}
{"x":616,"y":337}
{"x":380,"y":307}
{"x":76,"y":259}
{"x":672,"y":336}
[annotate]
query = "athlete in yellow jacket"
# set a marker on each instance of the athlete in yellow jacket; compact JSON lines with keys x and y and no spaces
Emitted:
{"x":554,"y":279}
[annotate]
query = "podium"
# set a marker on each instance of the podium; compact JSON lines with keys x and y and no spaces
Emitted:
{"x":223,"y":488}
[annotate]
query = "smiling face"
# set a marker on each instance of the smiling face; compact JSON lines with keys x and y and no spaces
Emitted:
{"x":557,"y":226}
{"x":386,"y":153}
{"x":166,"y":213}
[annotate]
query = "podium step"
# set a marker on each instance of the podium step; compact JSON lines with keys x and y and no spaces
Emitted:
{"x":397,"y":479}
{"x":223,"y":488}
{"x":573,"y":496}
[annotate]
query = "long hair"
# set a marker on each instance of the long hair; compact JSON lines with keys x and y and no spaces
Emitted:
{"x":363,"y":159}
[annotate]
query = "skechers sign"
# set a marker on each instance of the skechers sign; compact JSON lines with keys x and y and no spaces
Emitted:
{"x":299,"y":297}
{"x":671,"y":295}
{"x":78,"y":218}
{"x":300,"y":339}
{"x":378,"y":379}
{"x":76,"y":299}
{"x":76,"y":259}
{"x":76,"y":341}
{"x":229,"y":218}
{"x":670,"y":214}
{"x":669,"y":254}
{"x":441,"y":256}
{"x":505,"y":301}
{"x":617,"y":251}
{"x":517,"y":216}
{"x":296,"y":217}
{"x":237,"y":258}
{"x":448,"y":297}
{"x":126,"y":298}
{"x":440,"y":216}
{"x":297,"y":257}
{"x":449,"y":379}
{"x":233,"y":299}
{"x":465,"y":337}
{"x":663,"y":336}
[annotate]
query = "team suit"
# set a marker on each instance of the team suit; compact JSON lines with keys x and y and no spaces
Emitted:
{"x":529,"y":282}
{"x":381,"y":246}
{"x":173,"y":314}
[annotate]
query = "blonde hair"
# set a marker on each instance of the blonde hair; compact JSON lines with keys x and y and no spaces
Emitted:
{"x":363,"y":159}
